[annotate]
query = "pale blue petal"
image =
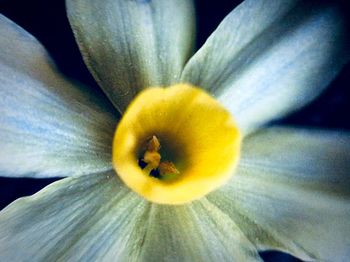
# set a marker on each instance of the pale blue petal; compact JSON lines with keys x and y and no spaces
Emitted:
{"x":292,"y":192}
{"x":89,"y":218}
{"x":131,"y":45}
{"x":195,"y":232}
{"x":96,"y":218}
{"x":48,"y":125}
{"x":268,"y":58}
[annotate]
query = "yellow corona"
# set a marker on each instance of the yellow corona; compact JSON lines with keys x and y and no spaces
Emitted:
{"x":175,"y":144}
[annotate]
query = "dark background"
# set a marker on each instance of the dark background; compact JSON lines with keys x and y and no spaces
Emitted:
{"x":46,"y":20}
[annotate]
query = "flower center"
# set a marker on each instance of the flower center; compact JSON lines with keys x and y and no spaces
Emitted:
{"x":176,"y":144}
{"x":152,"y":164}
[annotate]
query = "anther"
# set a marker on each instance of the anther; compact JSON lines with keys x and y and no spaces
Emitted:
{"x":151,"y":164}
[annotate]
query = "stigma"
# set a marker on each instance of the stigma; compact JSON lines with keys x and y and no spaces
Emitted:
{"x":175,"y":144}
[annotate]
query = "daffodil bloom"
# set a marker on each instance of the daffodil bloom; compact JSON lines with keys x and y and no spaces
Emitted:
{"x":189,"y":171}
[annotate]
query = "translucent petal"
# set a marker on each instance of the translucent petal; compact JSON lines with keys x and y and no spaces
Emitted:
{"x":96,"y":218}
{"x":131,"y":45}
{"x":195,"y":232}
{"x":292,"y":192}
{"x":88,"y":217}
{"x":48,"y":125}
{"x":268,"y":58}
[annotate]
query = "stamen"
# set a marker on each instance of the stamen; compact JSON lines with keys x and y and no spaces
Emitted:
{"x":151,"y":164}
{"x":167,"y":168}
{"x":152,"y":158}
{"x":153,"y":144}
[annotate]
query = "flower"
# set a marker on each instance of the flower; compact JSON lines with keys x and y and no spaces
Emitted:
{"x":290,"y":190}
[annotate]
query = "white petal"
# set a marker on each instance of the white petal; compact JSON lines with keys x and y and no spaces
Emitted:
{"x":88,"y":217}
{"x":194,"y":232}
{"x":95,"y":218}
{"x":48,"y":126}
{"x":131,"y":45}
{"x":292,"y":192}
{"x":268,"y":58}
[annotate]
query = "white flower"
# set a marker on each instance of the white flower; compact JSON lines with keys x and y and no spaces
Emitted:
{"x":267,"y":58}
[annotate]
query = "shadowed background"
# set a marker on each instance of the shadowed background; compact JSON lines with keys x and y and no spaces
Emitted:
{"x":47,"y":21}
